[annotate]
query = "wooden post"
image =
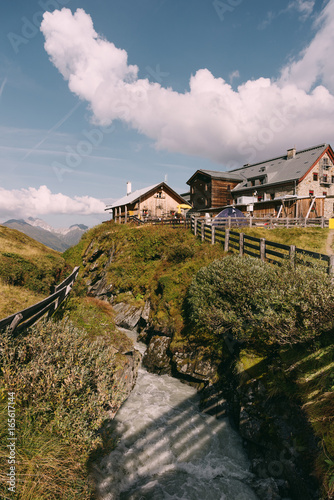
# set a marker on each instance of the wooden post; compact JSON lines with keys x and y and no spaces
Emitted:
{"x":292,"y":254}
{"x":213,"y":234}
{"x":262,"y":249}
{"x":250,"y":221}
{"x":227,"y":240}
{"x":287,"y":222}
{"x":241,"y":244}
{"x":229,"y":222}
{"x":331,"y":267}
{"x":15,"y":322}
{"x":195,"y":226}
{"x":202,"y":230}
{"x":126,"y":215}
{"x":322,"y":222}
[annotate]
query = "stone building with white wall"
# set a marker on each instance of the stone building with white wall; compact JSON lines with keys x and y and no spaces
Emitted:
{"x":297,"y":184}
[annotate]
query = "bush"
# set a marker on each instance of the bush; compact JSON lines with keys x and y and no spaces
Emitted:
{"x":37,"y":277}
{"x":258,"y":302}
{"x":63,"y":377}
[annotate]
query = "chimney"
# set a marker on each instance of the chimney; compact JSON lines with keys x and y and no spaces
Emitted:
{"x":128,"y":188}
{"x":291,"y":153}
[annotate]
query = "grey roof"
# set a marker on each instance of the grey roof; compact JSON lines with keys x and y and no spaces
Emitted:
{"x":281,"y":169}
{"x":226,"y":175}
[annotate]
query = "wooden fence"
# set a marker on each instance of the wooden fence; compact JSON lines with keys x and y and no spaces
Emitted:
{"x":267,"y":222}
{"x":27,"y":317}
{"x":259,"y":247}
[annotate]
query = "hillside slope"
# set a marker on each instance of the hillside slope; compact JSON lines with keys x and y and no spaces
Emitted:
{"x":68,"y":376}
{"x":28,"y":269}
{"x":280,"y":396}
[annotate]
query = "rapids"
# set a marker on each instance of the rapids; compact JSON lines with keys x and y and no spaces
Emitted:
{"x":168,"y":449}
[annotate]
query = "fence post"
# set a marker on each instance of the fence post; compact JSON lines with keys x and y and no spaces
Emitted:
{"x":227,"y":240}
{"x":195,"y":226}
{"x":322,"y":222}
{"x":331,"y":267}
{"x":241,"y":244}
{"x":250,"y":221}
{"x":202,"y":230}
{"x":15,"y":322}
{"x":292,"y":254}
{"x":229,"y":222}
{"x":262,"y":249}
{"x":213,"y":234}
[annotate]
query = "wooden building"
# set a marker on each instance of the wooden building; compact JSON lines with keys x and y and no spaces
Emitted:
{"x":154,"y":202}
{"x":210,"y":191}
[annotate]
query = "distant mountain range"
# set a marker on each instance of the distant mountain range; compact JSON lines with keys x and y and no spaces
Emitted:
{"x":59,"y":239}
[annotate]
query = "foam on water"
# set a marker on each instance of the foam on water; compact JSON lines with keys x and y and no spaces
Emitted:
{"x":168,"y":449}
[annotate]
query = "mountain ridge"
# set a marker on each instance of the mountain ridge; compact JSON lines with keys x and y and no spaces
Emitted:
{"x":59,"y":239}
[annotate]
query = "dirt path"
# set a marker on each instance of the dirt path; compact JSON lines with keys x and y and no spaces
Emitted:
{"x":329,"y":243}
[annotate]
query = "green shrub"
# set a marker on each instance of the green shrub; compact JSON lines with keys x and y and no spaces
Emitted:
{"x":260,"y":303}
{"x":37,"y":277}
{"x":63,"y":378}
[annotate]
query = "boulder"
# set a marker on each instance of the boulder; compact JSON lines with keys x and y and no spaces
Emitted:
{"x":157,"y":356}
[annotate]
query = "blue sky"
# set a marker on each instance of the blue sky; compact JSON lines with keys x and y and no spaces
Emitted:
{"x":136,"y":90}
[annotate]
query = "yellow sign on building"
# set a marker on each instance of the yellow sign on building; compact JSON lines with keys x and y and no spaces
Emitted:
{"x":331,"y":223}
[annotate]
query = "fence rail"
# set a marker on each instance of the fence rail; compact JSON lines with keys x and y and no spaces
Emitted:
{"x":27,"y":317}
{"x":259,"y":247}
{"x":267,"y":222}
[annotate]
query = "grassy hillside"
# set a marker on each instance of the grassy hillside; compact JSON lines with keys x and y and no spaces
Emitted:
{"x":28,"y":269}
{"x":160,"y":263}
{"x":310,"y":238}
{"x":67,"y":374}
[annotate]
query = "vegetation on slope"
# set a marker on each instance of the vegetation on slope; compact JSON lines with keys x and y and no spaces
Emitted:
{"x":28,"y":270}
{"x":66,"y":375}
{"x":64,"y":390}
{"x":282,"y":319}
{"x":269,"y":309}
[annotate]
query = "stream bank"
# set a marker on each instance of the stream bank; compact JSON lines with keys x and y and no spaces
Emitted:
{"x":275,"y":433}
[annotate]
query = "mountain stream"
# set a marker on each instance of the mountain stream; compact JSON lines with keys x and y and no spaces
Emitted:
{"x":168,"y":449}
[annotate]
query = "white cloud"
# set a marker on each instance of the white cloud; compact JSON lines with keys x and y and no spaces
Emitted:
{"x":316,"y":61}
{"x":34,"y":202}
{"x":211,"y":119}
{"x":304,"y":7}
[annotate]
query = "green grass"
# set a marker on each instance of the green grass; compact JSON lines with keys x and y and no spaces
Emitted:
{"x":28,"y":269}
{"x":312,"y":239}
{"x":303,"y":374}
{"x":65,"y":383}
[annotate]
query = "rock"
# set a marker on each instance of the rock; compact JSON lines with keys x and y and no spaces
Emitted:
{"x":195,"y":365}
{"x":266,"y":489}
{"x":127,"y":316}
{"x":100,"y":288}
{"x":157,"y":357}
{"x":124,"y":379}
{"x":249,"y":427}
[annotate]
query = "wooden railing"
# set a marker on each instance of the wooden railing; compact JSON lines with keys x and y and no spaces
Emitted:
{"x":267,"y":222}
{"x":261,"y":248}
{"x":27,"y":317}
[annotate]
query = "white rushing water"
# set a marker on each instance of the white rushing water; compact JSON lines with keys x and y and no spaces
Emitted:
{"x":168,"y":449}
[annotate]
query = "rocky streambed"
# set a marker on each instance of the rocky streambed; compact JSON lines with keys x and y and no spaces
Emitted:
{"x":274,"y":431}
